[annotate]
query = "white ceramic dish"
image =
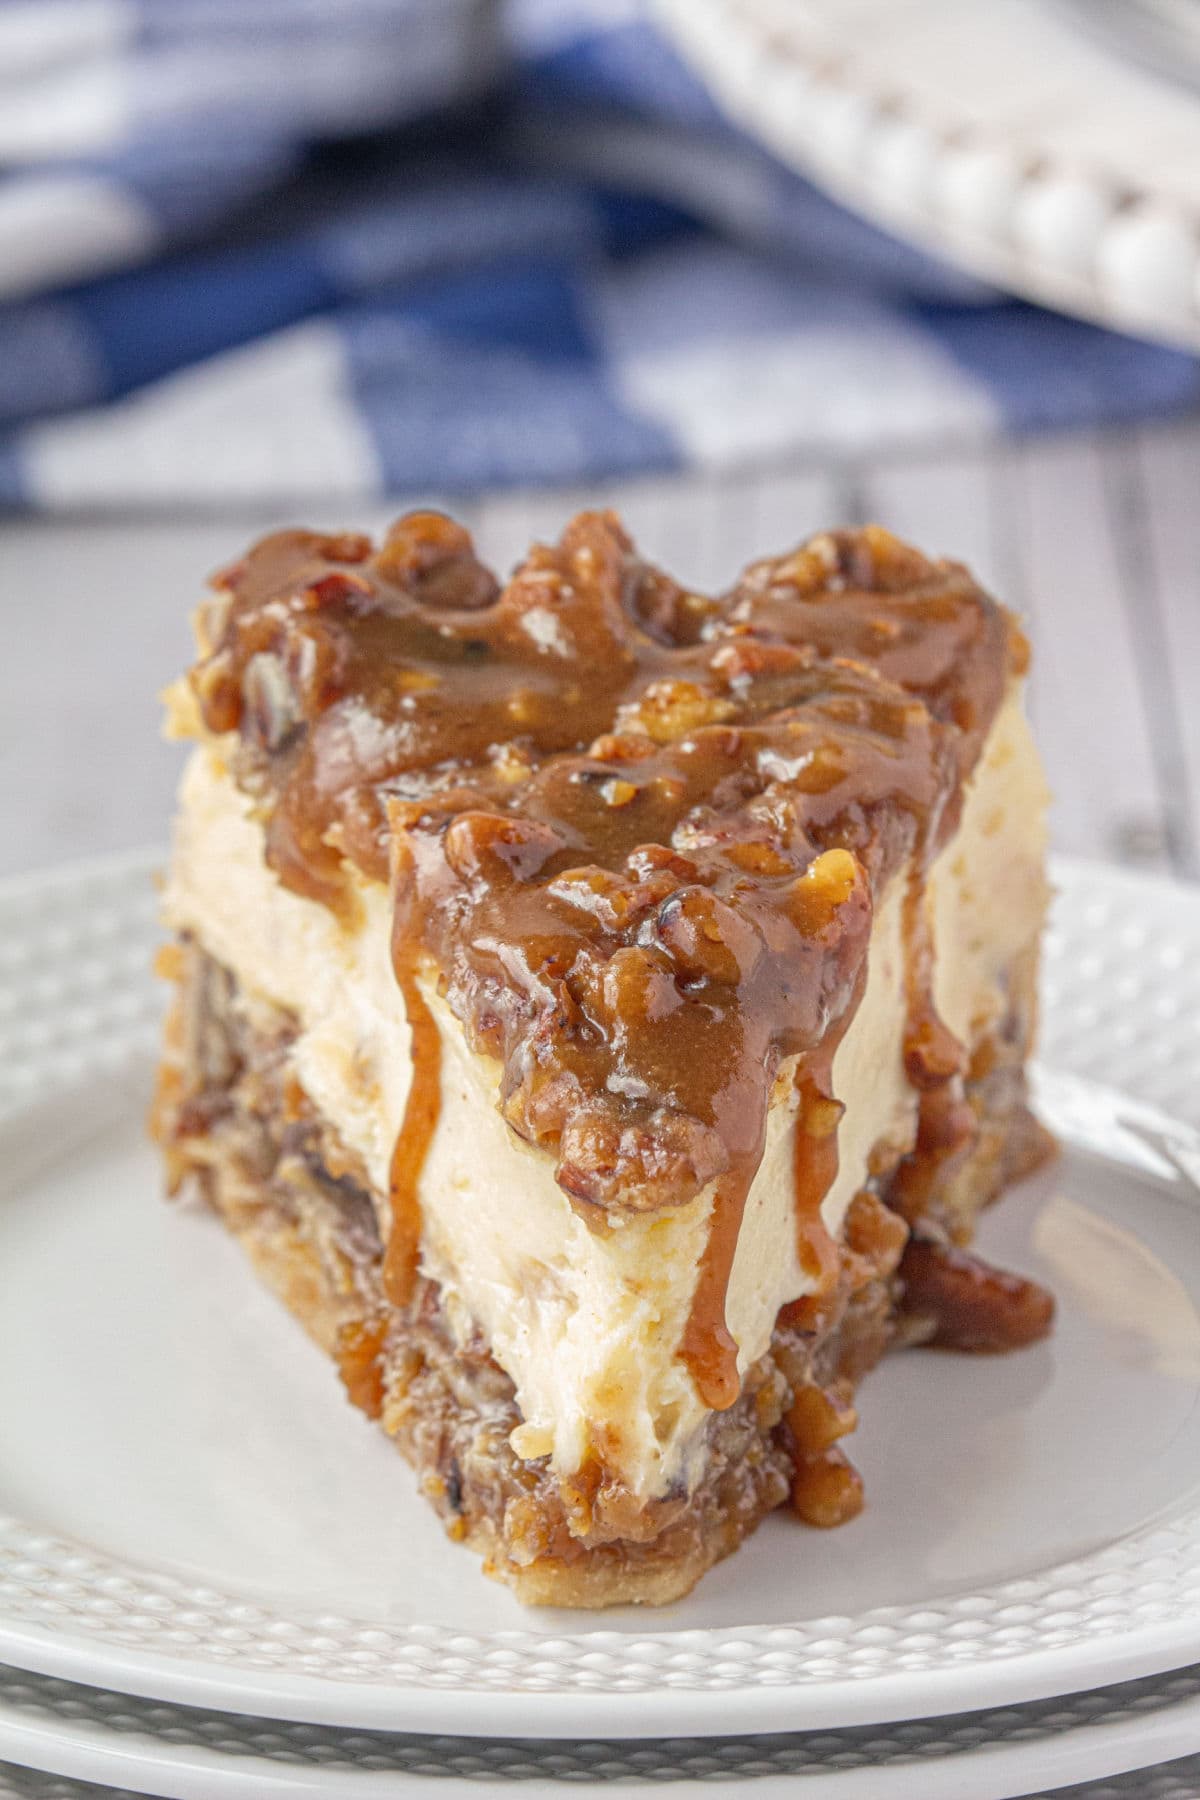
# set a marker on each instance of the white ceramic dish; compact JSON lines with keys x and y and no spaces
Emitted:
{"x":192,"y":1513}
{"x":184,"y":1754}
{"x":1007,"y":137}
{"x":1175,"y":1781}
{"x":1163,"y":34}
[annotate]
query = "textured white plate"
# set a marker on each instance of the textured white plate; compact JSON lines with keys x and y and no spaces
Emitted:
{"x":186,"y":1754}
{"x":1175,"y":1781}
{"x":1004,"y":135}
{"x":1164,"y":34}
{"x":191,"y":1512}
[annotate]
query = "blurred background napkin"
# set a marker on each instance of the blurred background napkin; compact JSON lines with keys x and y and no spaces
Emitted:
{"x":257,"y":250}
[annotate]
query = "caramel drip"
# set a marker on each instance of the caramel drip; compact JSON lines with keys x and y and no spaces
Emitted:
{"x":815,"y":1166}
{"x":634,"y":832}
{"x":709,"y":1348}
{"x":935,"y":1063}
{"x":421,"y":1111}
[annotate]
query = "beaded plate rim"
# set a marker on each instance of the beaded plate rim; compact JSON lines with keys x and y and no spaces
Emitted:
{"x":80,"y":1732}
{"x":1125,"y":943}
{"x":1104,"y":238}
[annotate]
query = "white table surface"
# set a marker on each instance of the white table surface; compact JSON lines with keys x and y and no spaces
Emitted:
{"x":1096,"y":540}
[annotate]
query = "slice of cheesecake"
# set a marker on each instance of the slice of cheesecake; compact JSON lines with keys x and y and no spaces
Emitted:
{"x":602,"y":1010}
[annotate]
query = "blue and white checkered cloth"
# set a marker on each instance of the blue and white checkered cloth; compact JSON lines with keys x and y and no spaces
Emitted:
{"x":268,"y":250}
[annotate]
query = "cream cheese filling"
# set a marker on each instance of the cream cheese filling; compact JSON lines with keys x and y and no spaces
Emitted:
{"x":588,"y":1324}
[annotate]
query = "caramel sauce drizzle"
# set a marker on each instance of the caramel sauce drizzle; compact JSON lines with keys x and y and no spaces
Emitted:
{"x":613,"y":795}
{"x":815,"y":1160}
{"x":709,"y":1348}
{"x":422,"y":1110}
{"x":935,"y":1062}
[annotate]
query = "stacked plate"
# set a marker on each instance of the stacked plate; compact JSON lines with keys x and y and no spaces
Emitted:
{"x":216,"y":1581}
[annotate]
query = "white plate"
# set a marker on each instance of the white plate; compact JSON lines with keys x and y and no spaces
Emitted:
{"x":1176,"y":1781}
{"x":186,"y":1754}
{"x":1005,"y":136}
{"x":191,"y":1512}
{"x":1164,"y":34}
